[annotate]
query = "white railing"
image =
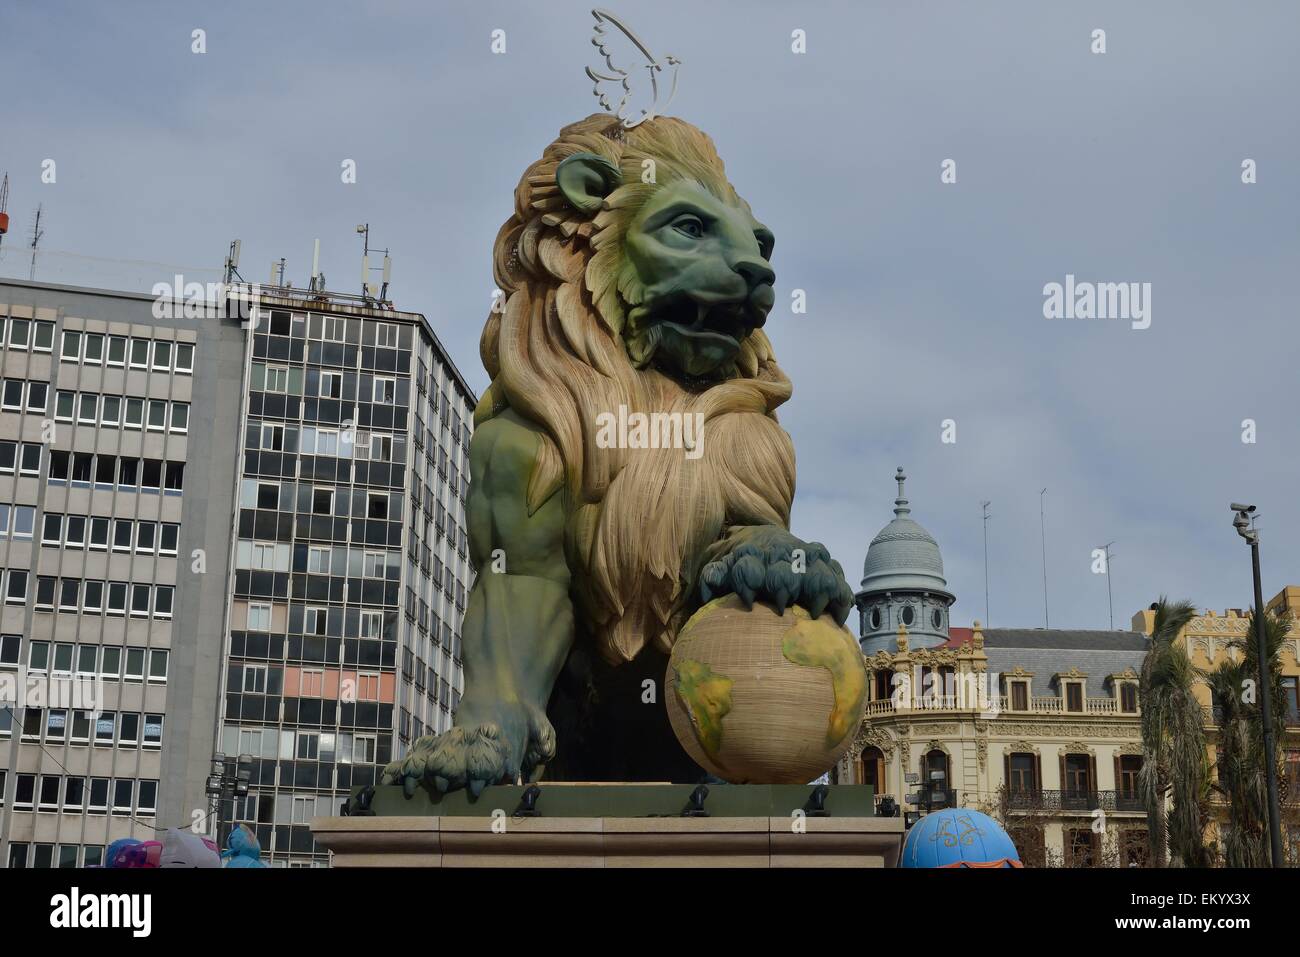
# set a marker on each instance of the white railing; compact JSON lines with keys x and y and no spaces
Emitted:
{"x":1038,"y":704}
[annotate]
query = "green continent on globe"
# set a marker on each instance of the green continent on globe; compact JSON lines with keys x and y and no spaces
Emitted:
{"x":818,"y":643}
{"x":707,"y":698}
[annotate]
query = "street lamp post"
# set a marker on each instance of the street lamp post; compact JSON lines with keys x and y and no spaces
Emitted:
{"x":1242,"y":523}
{"x":228,"y":780}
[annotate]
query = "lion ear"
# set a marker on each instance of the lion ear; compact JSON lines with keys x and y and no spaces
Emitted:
{"x":586,"y":179}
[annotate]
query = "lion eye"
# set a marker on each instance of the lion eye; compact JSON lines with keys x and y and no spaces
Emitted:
{"x":690,"y":225}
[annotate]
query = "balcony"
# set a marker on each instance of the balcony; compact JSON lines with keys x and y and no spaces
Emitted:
{"x":1038,"y":704}
{"x":1073,"y":801}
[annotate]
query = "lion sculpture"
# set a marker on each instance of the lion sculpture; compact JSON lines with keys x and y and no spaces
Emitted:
{"x":635,"y":280}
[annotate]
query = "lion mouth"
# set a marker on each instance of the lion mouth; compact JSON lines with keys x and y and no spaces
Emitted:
{"x":729,"y":321}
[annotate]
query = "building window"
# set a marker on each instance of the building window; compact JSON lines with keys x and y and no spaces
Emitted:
{"x":1128,"y":697}
{"x":367,"y":687}
{"x":1022,"y":773}
{"x":259,"y":617}
{"x":147,"y":801}
{"x":935,"y":777}
{"x":1127,"y":767}
{"x":871,"y":770}
{"x":1019,"y":695}
{"x":1074,"y":696}
{"x":255,"y":679}
{"x":1291,"y":700}
{"x":1030,"y":844}
{"x":1078,"y":778}
{"x":308,"y":746}
{"x":123,"y":793}
{"x":1134,"y":848}
{"x":315,"y":621}
{"x":312,"y":683}
{"x":277,"y":379}
{"x":1081,"y":847}
{"x":364,"y":747}
{"x":372,"y":624}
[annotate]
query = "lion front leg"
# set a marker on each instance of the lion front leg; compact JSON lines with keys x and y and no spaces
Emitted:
{"x":518,"y":626}
{"x":766,"y":563}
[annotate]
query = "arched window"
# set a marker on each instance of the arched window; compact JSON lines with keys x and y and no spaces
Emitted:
{"x":871,"y":769}
{"x":936,"y":778}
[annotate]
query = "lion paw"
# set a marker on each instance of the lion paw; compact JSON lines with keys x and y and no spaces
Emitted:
{"x":775,"y":567}
{"x":475,"y":755}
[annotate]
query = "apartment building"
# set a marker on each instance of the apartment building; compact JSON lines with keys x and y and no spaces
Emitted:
{"x":349,"y":567}
{"x":110,"y":426}
{"x":242,"y":526}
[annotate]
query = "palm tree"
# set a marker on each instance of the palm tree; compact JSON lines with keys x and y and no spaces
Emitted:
{"x":1173,"y":743}
{"x":1241,"y":759}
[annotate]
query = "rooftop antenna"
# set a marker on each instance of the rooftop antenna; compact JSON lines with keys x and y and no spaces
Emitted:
{"x":277,"y":272}
{"x":368,"y":289}
{"x":985,"y":505}
{"x":364,"y":230}
{"x":1042,"y":525}
{"x":1110,"y":602}
{"x":231,"y":268}
{"x":315,"y":266}
{"x":4,"y":206}
{"x":37,"y":233}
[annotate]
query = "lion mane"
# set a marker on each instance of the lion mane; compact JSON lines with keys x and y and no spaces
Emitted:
{"x":639,"y":524}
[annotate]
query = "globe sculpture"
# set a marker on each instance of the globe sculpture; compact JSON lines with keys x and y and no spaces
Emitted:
{"x":759,"y":697}
{"x":959,"y":837}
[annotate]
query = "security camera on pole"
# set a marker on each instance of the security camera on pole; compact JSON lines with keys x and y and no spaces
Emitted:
{"x":1243,"y":524}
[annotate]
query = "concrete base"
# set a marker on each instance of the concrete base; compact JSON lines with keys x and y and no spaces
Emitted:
{"x":603,"y":825}
{"x":610,"y":842}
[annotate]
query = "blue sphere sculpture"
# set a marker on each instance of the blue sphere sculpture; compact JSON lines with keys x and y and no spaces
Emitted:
{"x":958,"y":837}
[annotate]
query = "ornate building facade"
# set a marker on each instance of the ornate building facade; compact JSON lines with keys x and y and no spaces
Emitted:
{"x":1039,"y":727}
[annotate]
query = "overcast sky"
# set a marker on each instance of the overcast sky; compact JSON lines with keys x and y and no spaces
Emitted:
{"x":925,"y":299}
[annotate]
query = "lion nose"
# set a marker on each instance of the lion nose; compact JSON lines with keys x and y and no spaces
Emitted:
{"x":755,"y":272}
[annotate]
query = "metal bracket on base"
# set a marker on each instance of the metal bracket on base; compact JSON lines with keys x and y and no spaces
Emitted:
{"x":816,"y":806}
{"x":359,"y":804}
{"x":528,"y":802}
{"x":696,"y":807}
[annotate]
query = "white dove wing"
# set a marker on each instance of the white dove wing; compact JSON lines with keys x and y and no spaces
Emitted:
{"x":627,"y":75}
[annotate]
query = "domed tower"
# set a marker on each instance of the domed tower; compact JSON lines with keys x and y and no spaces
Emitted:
{"x":903,"y":584}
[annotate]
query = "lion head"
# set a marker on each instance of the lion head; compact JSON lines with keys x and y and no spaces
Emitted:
{"x":634,"y":276}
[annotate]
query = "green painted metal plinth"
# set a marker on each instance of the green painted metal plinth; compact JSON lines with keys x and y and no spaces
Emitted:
{"x":619,"y":800}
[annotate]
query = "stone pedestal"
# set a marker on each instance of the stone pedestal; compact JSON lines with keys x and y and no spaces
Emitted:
{"x":595,"y":825}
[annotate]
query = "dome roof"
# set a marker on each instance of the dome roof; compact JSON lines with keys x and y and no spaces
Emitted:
{"x":958,"y":837}
{"x":903,"y":556}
